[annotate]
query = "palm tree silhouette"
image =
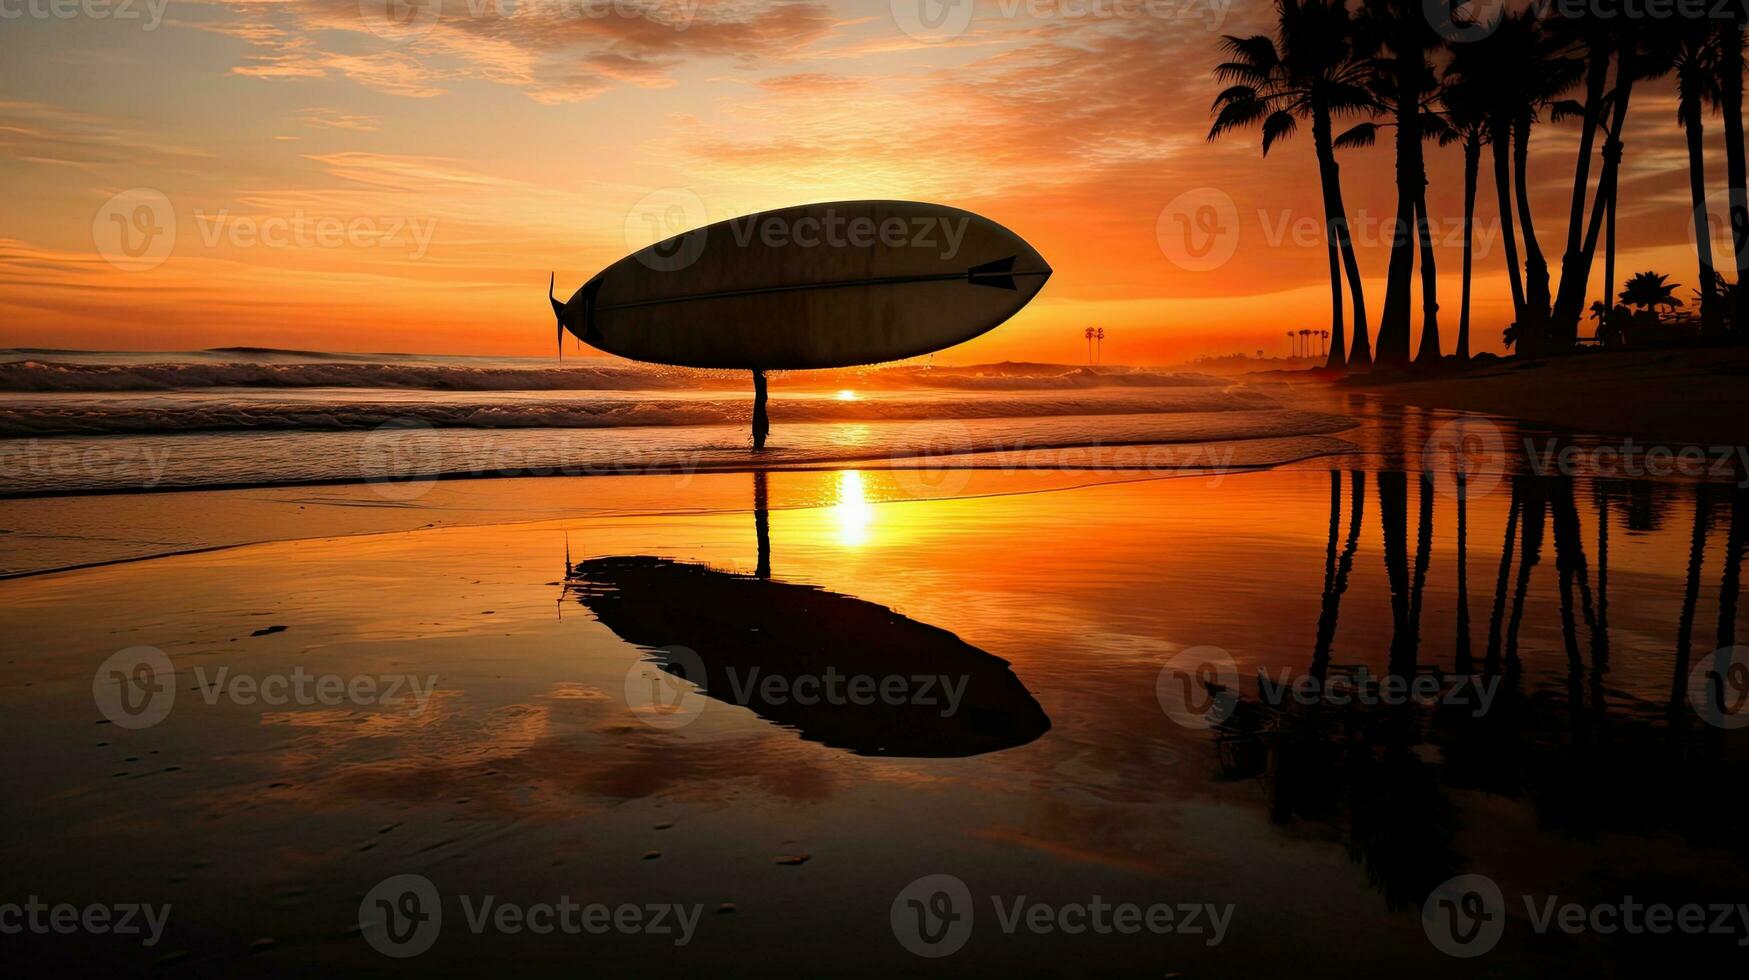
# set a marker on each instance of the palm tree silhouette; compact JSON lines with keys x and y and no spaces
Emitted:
{"x":1099,"y":344}
{"x":1309,"y":70}
{"x":1467,"y":106}
{"x":1088,"y":333}
{"x":1400,"y":80}
{"x":1697,"y":83}
{"x":1649,"y":290}
{"x":1293,"y":346}
{"x":1736,"y":171}
{"x":1639,"y":54}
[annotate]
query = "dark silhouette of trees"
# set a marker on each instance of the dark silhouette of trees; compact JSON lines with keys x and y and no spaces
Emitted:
{"x":1310,"y":71}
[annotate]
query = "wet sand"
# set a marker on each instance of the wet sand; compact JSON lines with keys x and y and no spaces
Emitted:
{"x":536,"y":765}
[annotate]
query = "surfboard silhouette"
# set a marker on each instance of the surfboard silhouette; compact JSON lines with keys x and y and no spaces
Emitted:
{"x":828,"y":285}
{"x":760,"y":643}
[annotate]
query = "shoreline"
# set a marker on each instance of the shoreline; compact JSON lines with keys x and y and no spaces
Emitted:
{"x":1693,"y":396}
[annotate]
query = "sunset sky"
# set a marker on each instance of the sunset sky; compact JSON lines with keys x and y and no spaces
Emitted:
{"x":426,"y":177}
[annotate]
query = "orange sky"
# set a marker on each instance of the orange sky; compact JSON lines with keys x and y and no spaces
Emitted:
{"x":337,"y":182}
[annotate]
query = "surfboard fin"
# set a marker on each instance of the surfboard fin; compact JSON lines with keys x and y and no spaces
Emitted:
{"x":997,"y":274}
{"x":558,"y":311}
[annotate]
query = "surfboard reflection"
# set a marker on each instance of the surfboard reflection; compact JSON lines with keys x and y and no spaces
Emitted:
{"x":840,"y":670}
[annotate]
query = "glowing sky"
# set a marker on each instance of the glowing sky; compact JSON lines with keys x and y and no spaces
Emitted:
{"x":339,"y":182}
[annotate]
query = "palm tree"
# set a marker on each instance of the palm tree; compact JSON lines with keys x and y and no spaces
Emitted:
{"x":1088,"y":333}
{"x":1640,"y":54}
{"x":1648,"y":290}
{"x":1468,"y":111}
{"x":1697,"y":82}
{"x":1401,"y":81}
{"x":1098,"y":344}
{"x":1736,"y":172}
{"x":1309,"y":70}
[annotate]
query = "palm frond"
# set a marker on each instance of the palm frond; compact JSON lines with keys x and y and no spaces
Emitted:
{"x":1279,"y":126}
{"x":1365,"y":134}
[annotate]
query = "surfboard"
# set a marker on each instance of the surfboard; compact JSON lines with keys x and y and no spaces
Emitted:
{"x":816,"y":286}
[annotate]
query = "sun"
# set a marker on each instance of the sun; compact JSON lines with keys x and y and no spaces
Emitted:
{"x":846,"y":395}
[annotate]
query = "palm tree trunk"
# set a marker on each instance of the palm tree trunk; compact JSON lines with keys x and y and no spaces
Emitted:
{"x":1690,"y":595}
{"x":1492,"y":662}
{"x":1731,"y":102}
{"x":1341,"y":245}
{"x":1429,"y":353}
{"x":1472,"y":164}
{"x":1533,"y":325}
{"x":1461,"y":659}
{"x":1564,"y":322}
{"x":1596,"y":75}
{"x":1393,"y":345}
{"x":1500,"y":139}
{"x":1693,"y":126}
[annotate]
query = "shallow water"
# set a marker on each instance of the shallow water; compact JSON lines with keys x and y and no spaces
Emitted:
{"x":556,"y":754}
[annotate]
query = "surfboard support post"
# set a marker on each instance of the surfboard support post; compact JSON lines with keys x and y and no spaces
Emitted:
{"x":761,"y":425}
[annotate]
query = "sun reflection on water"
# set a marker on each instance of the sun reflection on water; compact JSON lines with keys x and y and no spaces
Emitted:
{"x":852,"y":511}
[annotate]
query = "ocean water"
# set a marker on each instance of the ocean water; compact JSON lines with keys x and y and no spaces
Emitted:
{"x":80,"y":422}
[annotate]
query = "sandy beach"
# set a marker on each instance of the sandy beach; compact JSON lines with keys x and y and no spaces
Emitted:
{"x":506,"y":745}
